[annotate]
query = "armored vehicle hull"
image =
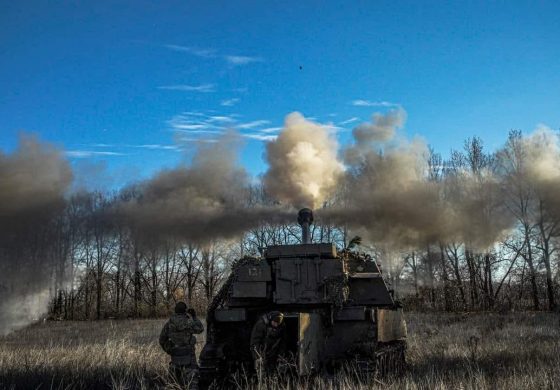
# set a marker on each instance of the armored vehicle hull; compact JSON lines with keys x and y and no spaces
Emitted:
{"x":338,"y":309}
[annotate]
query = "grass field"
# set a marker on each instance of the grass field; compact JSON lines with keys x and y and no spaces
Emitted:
{"x":446,"y":351}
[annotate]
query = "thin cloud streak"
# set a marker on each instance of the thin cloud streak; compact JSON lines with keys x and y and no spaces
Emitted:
{"x":271,"y":130}
{"x":156,"y":147}
{"x":259,"y":137}
{"x":195,"y":126}
{"x":203,"y":53}
{"x":211,"y":53}
{"x":203,"y":88}
{"x":252,"y":125}
{"x":186,"y":127}
{"x":368,"y":103}
{"x":229,"y":102}
{"x":78,"y":153}
{"x":100,"y":145}
{"x":242,"y":60}
{"x":348,"y":121}
{"x":90,"y":153}
{"x":204,"y":131}
{"x":222,"y":118}
{"x":195,"y":140}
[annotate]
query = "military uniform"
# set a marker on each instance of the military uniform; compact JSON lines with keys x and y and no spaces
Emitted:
{"x":178,"y":340}
{"x":268,"y":342}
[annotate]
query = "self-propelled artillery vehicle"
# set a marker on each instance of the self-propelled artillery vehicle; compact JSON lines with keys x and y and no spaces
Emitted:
{"x":337,"y":309}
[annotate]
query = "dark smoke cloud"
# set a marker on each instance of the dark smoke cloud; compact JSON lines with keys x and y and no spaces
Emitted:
{"x":477,"y":212}
{"x":387,"y":198}
{"x":33,"y":182}
{"x":201,"y":201}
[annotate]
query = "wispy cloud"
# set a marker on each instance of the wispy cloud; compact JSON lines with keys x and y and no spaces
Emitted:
{"x":204,"y":53}
{"x":348,"y":121}
{"x":193,"y":139}
{"x":201,"y":123}
{"x":100,"y":145}
{"x":178,"y":125}
{"x":195,"y":126}
{"x":260,"y":137}
{"x":222,"y":118}
{"x":211,"y":53}
{"x":271,"y":130}
{"x":90,"y":153}
{"x":242,"y":60}
{"x":199,"y":132}
{"x":252,"y":125}
{"x":369,"y":103}
{"x":229,"y":102}
{"x":203,"y":88}
{"x":156,"y":147}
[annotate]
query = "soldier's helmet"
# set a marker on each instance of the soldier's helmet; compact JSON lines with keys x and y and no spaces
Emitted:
{"x":180,"y":307}
{"x":276,"y":316}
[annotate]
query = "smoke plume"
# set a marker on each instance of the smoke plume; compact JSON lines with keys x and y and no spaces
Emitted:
{"x":390,"y":198}
{"x":477,"y":213}
{"x":33,"y":181}
{"x":532,"y":166}
{"x":303,"y":164}
{"x":383,"y":188}
{"x":368,"y":135}
{"x":201,"y":201}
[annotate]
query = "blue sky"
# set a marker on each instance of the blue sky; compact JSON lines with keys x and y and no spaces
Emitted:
{"x":119,"y":82}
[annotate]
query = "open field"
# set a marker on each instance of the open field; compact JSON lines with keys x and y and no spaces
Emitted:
{"x":482,"y":351}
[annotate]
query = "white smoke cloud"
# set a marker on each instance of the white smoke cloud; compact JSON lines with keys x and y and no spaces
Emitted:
{"x":303,"y":163}
{"x":19,"y":310}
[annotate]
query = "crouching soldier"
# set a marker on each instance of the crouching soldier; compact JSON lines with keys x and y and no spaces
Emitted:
{"x":178,"y":340}
{"x":268,"y":341}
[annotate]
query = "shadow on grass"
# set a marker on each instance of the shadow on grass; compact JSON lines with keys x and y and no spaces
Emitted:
{"x":72,"y":379}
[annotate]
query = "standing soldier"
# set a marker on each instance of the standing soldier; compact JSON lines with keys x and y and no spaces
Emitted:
{"x":178,"y":340}
{"x":268,"y":341}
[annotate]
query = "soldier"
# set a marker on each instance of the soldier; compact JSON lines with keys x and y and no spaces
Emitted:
{"x":268,"y":340}
{"x":178,"y":340}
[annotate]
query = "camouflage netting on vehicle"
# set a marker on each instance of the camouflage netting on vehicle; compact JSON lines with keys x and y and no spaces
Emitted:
{"x":337,"y":290}
{"x":226,"y":289}
{"x":354,"y":261}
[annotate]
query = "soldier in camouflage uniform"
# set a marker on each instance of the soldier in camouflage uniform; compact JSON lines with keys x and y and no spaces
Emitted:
{"x":268,"y":341}
{"x":178,"y":340}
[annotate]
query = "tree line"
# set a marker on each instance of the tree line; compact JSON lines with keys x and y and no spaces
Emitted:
{"x":102,"y":268}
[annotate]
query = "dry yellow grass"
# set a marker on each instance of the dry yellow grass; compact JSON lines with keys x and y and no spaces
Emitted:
{"x":446,"y":351}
